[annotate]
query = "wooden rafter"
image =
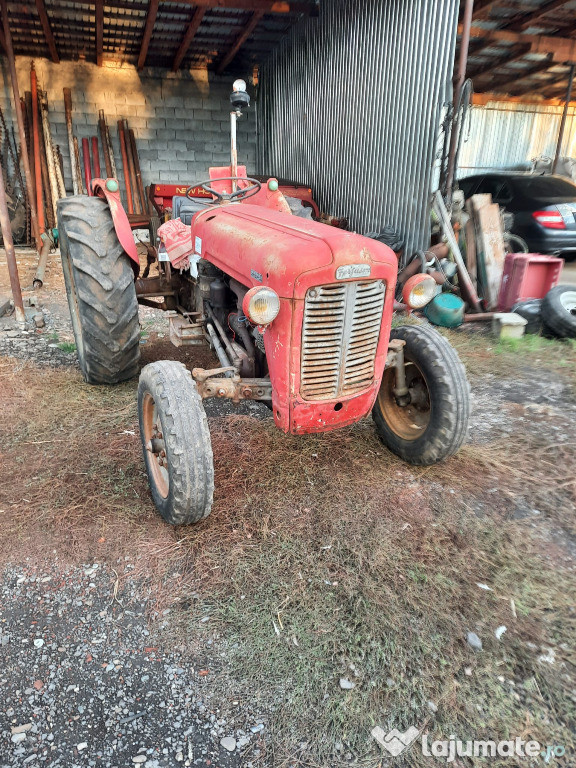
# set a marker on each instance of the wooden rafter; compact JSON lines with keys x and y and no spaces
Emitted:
{"x":532,"y":19}
{"x":188,"y":37}
{"x":541,"y":86}
{"x":99,"y":32}
{"x":482,"y":9}
{"x":265,"y":6}
{"x":148,"y":29}
{"x":240,"y":40}
{"x":48,"y":34}
{"x":562,"y":48}
{"x":511,"y":79}
{"x":513,"y":54}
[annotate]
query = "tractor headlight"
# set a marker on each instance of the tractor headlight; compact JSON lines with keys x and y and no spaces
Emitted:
{"x":239,"y":86}
{"x":261,"y":305}
{"x":419,"y":290}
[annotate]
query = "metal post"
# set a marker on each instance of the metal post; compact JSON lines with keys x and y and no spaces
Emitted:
{"x":10,"y":254}
{"x":461,"y":78}
{"x":22,"y":134}
{"x":36,"y":145}
{"x":233,"y":149}
{"x":564,"y":116}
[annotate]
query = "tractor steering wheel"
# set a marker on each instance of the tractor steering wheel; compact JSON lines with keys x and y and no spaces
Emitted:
{"x":226,"y":197}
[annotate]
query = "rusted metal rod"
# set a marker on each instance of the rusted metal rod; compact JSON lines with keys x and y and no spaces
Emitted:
{"x":10,"y":254}
{"x":95,"y":158}
{"x":49,"y":150}
{"x":125,"y":166}
{"x":461,"y":79}
{"x":563,"y":121}
{"x":36,"y":142}
{"x":104,"y":140}
{"x":69,"y":129}
{"x":137,"y":172}
{"x":131,"y":169}
{"x":87,"y":170}
{"x":22,"y":134}
{"x":78,"y":167}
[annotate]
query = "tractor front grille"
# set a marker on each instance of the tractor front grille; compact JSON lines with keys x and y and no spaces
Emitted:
{"x":339,"y":338}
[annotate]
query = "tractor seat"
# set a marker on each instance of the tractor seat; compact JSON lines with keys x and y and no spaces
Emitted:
{"x":184,"y":208}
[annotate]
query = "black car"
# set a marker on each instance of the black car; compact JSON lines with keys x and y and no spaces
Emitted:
{"x":544,"y":208}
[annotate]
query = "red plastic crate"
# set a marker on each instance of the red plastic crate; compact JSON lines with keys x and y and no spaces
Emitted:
{"x":527,"y":276}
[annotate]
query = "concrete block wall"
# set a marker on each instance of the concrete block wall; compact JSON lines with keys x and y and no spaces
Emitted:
{"x":180,"y":121}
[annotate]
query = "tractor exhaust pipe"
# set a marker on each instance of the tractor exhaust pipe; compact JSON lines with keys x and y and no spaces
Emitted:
{"x":239,"y":100}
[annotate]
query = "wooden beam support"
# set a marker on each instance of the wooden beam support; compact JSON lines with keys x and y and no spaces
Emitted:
{"x":482,"y":9}
{"x":512,"y":79}
{"x":240,"y":40}
{"x":99,"y":32}
{"x":562,"y":48}
{"x":543,"y":86}
{"x":532,"y":19}
{"x":515,"y":53}
{"x":48,"y":34}
{"x":148,"y":29}
{"x":188,"y":37}
{"x":266,"y":6}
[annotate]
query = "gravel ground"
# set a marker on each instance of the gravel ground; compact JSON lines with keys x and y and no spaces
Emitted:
{"x":86,"y":682}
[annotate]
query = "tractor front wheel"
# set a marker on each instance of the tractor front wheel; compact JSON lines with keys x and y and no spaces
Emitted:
{"x":176,"y":443}
{"x":101,"y":294}
{"x":431,"y":422}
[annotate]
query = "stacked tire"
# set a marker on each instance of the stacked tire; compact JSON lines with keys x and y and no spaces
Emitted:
{"x":559,"y":312}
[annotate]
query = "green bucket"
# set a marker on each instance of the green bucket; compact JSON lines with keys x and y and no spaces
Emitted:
{"x":445,"y":310}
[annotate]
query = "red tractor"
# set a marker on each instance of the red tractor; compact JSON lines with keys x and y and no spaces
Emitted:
{"x":298,"y":314}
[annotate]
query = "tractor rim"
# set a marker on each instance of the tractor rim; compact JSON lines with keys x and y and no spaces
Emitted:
{"x":568,"y":301}
{"x":409,"y":422}
{"x":155,"y":446}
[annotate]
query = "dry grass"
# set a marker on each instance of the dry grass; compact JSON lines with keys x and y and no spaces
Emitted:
{"x":324,"y":557}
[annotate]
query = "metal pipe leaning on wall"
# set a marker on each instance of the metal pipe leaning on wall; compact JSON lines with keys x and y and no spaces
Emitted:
{"x":87,"y":169}
{"x":132,"y":170}
{"x":124,"y":154}
{"x":49,"y":148}
{"x":16,"y":94}
{"x":71,"y":145}
{"x":10,"y":254}
{"x":95,"y":158}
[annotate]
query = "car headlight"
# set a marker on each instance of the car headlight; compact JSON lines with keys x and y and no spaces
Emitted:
{"x":419,"y":290}
{"x":261,"y":305}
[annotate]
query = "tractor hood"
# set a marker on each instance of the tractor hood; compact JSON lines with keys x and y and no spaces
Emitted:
{"x":259,"y":246}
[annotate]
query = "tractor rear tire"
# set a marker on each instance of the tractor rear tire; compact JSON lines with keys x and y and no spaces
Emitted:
{"x":176,"y":443}
{"x":101,"y":293}
{"x":559,"y":311}
{"x":434,"y":424}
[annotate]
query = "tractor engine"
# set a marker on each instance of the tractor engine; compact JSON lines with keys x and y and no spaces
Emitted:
{"x":298,"y":303}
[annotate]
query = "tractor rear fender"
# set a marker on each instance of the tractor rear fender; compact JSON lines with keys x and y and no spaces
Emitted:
{"x":101,"y":188}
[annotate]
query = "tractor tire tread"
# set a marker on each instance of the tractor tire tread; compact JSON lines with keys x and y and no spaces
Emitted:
{"x":99,"y":276}
{"x":555,"y":316}
{"x":450,"y":396}
{"x":187,"y":439}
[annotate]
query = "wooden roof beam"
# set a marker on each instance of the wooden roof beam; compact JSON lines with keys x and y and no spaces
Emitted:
{"x":482,"y":9}
{"x":48,"y":34}
{"x":542,"y":86}
{"x":562,"y":48}
{"x":515,"y":53}
{"x":265,"y":6}
{"x":188,"y":37}
{"x":240,"y":40}
{"x":148,"y":29}
{"x":511,"y":79}
{"x":532,"y":19}
{"x":99,"y":32}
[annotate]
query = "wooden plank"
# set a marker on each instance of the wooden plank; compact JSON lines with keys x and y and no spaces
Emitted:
{"x":188,"y":37}
{"x":490,"y":248}
{"x":148,"y":29}
{"x":99,"y":31}
{"x":48,"y":34}
{"x":239,"y":42}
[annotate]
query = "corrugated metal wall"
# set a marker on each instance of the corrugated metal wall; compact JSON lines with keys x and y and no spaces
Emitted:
{"x":350,"y":104}
{"x":505,"y":135}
